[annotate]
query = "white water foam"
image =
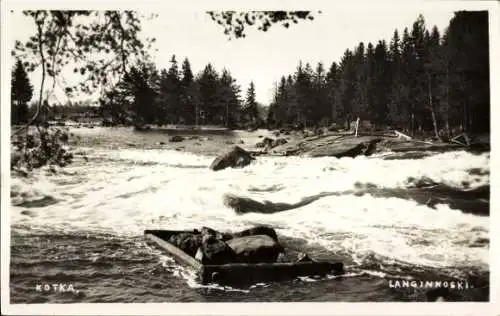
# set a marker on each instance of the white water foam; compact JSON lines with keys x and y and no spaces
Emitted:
{"x":124,"y":192}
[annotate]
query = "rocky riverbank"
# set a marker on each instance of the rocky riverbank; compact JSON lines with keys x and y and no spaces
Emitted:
{"x":347,"y":145}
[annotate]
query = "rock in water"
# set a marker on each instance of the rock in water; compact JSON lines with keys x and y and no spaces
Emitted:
{"x":372,"y":146}
{"x":189,"y":243}
{"x":265,"y":143}
{"x":279,"y":141}
{"x":236,"y":157}
{"x":176,"y":139}
{"x":213,"y":250}
{"x":303,"y":257}
{"x":255,"y":249}
{"x":257,"y":230}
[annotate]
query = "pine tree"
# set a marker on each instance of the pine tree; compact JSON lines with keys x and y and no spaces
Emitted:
{"x":292,"y":105}
{"x":332,"y":93}
{"x":187,"y":98}
{"x":370,"y":81}
{"x":468,"y":71}
{"x":172,"y":91}
{"x":282,"y":102}
{"x":21,"y":93}
{"x":251,"y":111}
{"x":321,"y":110}
{"x":138,"y":87}
{"x":395,"y":111}
{"x":346,"y":88}
{"x":271,"y":120}
{"x":360,"y":93}
{"x":304,"y":98}
{"x":407,"y":72}
{"x":381,"y":84}
{"x":434,"y":69}
{"x":229,"y":98}
{"x":208,"y":83}
{"x":419,"y":85}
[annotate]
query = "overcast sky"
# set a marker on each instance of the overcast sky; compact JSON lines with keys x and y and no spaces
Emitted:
{"x":265,"y":56}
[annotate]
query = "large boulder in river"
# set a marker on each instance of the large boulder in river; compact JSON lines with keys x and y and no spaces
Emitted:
{"x":257,"y":230}
{"x":254,"y":245}
{"x":213,"y":249}
{"x":255,"y":249}
{"x":265,"y":143}
{"x":236,"y":157}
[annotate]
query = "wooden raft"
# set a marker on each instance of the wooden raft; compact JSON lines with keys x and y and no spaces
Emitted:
{"x":237,"y":273}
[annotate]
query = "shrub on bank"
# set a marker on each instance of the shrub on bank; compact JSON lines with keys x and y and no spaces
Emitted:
{"x":35,"y":149}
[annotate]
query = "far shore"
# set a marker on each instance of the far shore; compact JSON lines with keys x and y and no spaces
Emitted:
{"x":212,"y":140}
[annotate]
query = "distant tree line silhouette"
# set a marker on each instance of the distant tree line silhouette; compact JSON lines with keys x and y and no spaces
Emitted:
{"x":420,"y":81}
{"x":173,"y":96}
{"x":423,"y":81}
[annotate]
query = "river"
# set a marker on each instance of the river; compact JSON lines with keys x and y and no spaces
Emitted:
{"x":83,"y":225}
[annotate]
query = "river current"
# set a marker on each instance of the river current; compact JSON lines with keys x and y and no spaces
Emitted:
{"x":83,"y":225}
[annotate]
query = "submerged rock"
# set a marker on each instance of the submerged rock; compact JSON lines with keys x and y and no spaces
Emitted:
{"x":176,"y":139}
{"x":140,"y":127}
{"x":236,"y":157}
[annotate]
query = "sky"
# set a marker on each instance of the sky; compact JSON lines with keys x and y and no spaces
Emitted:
{"x":263,"y":57}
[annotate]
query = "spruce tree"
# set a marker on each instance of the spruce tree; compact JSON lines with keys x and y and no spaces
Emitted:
{"x":406,"y":82}
{"x":208,"y":83}
{"x":395,"y":113}
{"x":360,"y":93}
{"x":434,"y":69}
{"x":419,"y":84}
{"x":321,"y":111}
{"x":346,"y":88}
{"x":173,"y":92}
{"x":251,"y":111}
{"x":187,"y":99}
{"x":381,"y":84}
{"x":468,"y":70}
{"x":229,"y":99}
{"x":370,"y":81}
{"x":139,"y":86}
{"x":21,"y":93}
{"x":332,"y":93}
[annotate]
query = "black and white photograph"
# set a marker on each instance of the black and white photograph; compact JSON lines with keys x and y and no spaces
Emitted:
{"x":204,"y":153}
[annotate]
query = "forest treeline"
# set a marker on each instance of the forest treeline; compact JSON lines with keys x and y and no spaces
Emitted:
{"x":421,"y":80}
{"x":176,"y":96}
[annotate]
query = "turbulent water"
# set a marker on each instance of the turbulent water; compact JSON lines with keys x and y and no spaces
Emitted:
{"x":82,"y":225}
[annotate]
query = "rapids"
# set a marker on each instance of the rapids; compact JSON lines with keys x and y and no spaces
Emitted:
{"x":116,"y":193}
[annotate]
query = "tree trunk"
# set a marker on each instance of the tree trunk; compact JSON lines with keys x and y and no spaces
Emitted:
{"x":448,"y":134}
{"x":196,"y":115}
{"x":412,"y":124}
{"x":431,"y":108}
